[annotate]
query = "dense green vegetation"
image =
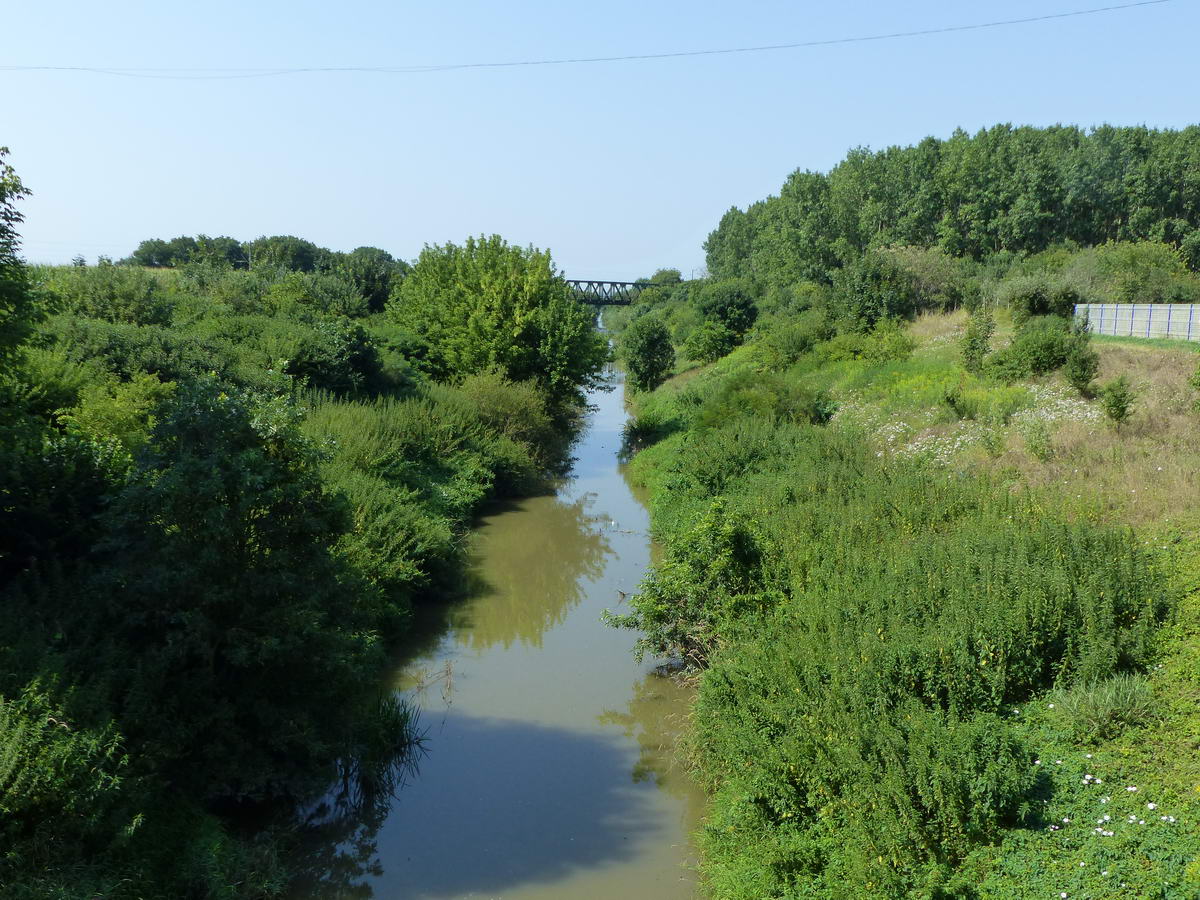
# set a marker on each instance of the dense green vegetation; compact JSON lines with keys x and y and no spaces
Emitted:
{"x":1005,"y":191}
{"x":223,"y":486}
{"x":927,"y":648}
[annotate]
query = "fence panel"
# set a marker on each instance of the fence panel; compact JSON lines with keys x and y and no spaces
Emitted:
{"x":1148,"y":320}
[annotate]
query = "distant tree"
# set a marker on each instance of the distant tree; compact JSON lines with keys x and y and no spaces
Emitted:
{"x":488,"y":305}
{"x":375,"y":273}
{"x":649,"y":354}
{"x":151,"y":253}
{"x":220,"y":250}
{"x":159,"y":254}
{"x":286,"y":252}
{"x":729,"y":302}
{"x":666,"y":276}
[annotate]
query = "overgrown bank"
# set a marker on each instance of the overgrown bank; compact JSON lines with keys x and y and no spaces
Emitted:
{"x":223,"y":488}
{"x":895,"y":486}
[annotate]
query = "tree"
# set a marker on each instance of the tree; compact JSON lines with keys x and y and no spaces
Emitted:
{"x":649,"y":355}
{"x":241,"y":634}
{"x":730,"y":303}
{"x":375,"y":273}
{"x":17,"y":311}
{"x":488,"y":305}
{"x":709,"y":342}
{"x":286,"y":252}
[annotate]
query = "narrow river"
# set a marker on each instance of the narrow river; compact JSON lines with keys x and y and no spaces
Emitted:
{"x":549,"y":767}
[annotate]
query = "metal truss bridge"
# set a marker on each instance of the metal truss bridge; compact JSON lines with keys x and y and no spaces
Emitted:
{"x":606,"y":293}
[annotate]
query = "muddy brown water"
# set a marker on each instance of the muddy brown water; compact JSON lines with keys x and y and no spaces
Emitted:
{"x":550,"y":768}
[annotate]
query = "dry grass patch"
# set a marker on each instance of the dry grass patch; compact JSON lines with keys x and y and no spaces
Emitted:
{"x":938,"y":327}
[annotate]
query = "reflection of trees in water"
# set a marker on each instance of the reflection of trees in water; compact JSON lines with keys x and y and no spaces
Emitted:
{"x":658,"y":718}
{"x":337,"y":833}
{"x":528,"y":566}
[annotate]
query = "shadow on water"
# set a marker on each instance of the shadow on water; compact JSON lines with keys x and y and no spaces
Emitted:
{"x":515,"y":816}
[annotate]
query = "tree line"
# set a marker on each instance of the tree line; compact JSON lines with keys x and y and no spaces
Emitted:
{"x":1004,"y":190}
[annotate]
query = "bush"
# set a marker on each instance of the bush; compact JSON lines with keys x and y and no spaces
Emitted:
{"x":489,"y":305}
{"x":1040,"y":346}
{"x":649,"y":354}
{"x":709,"y":342}
{"x":112,"y":293}
{"x":1030,"y":296}
{"x":1082,"y":361}
{"x":766,"y":397}
{"x":1116,"y":399}
{"x":870,"y":288}
{"x":976,"y":342}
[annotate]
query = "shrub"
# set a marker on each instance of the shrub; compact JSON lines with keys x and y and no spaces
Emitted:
{"x":1040,"y":346}
{"x":871,"y":288}
{"x":888,"y":341}
{"x":976,"y":342}
{"x":709,"y":342}
{"x":1028,"y":296}
{"x":766,"y":397}
{"x":489,"y":305}
{"x":1082,"y":361}
{"x":112,"y":293}
{"x":786,"y":340}
{"x":649,"y":354}
{"x":1116,"y":399}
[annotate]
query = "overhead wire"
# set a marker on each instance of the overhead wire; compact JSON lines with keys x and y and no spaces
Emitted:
{"x":248,"y":72}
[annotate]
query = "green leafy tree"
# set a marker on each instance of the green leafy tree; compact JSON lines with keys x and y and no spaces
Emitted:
{"x":242,"y":635}
{"x":17,"y":312}
{"x":649,"y":354}
{"x":286,"y":252}
{"x":375,"y":273}
{"x":488,"y":305}
{"x":729,"y":302}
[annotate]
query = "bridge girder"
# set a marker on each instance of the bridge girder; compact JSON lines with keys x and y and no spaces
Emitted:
{"x":605,"y":293}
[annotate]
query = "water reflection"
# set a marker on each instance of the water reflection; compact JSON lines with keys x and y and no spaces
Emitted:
{"x":658,"y":718}
{"x":526,"y":580}
{"x":545,"y":778}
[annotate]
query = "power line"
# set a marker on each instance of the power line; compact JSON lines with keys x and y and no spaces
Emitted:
{"x":216,"y":73}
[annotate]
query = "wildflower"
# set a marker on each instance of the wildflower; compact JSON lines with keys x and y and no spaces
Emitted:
{"x":1131,"y":789}
{"x":1037,"y":762}
{"x":1151,"y":806}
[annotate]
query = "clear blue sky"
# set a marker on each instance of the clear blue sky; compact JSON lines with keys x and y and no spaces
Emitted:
{"x":618,"y":168}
